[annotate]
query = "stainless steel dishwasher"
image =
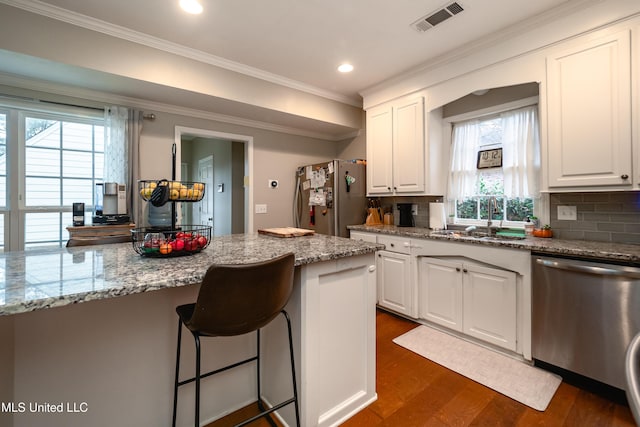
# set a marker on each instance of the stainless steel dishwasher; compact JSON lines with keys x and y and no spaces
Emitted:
{"x":585,"y":314}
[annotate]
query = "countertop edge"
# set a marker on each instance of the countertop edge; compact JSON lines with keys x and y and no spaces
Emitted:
{"x":618,"y":252}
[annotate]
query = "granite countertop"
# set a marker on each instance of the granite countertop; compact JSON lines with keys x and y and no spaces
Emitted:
{"x":39,"y":279}
{"x":605,"y":251}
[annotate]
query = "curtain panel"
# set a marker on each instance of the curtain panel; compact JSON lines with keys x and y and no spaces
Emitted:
{"x":520,"y":156}
{"x":123,"y":127}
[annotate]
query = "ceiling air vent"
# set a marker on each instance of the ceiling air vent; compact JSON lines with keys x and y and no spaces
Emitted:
{"x":436,"y":17}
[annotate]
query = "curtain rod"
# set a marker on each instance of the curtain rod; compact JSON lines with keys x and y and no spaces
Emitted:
{"x":42,"y":101}
{"x":146,"y":116}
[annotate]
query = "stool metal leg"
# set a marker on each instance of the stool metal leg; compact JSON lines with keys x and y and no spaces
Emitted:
{"x":197,"y":414}
{"x":175,"y":384}
{"x":293,"y":369}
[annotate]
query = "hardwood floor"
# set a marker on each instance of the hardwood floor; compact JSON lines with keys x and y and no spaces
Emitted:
{"x":413,"y":391}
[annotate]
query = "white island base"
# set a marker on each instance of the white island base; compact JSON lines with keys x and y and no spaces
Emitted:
{"x":111,"y":362}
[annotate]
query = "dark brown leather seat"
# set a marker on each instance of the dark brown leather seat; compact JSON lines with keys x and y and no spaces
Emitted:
{"x":235,"y":300}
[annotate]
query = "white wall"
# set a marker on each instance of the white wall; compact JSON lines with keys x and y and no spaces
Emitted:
{"x":276,"y":156}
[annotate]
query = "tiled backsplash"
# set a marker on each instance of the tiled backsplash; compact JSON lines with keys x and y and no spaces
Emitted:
{"x":604,"y":217}
{"x":422,"y":219}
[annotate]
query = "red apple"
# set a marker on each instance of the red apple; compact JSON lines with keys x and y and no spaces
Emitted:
{"x":202,"y":241}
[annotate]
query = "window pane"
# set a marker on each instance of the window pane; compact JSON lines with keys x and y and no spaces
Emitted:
{"x":496,"y":213}
{"x":3,"y":144}
{"x":3,"y":163}
{"x":99,"y":139}
{"x":77,"y":190}
{"x":98,"y":167}
{"x":2,"y":236}
{"x":77,"y":136}
{"x":467,"y":209}
{"x":519,"y":209}
{"x":42,"y":228}
{"x":77,"y":164}
{"x":42,"y":133}
{"x":42,"y":191}
{"x":42,"y":162}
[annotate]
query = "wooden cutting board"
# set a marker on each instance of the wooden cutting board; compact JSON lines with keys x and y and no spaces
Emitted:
{"x":286,"y":232}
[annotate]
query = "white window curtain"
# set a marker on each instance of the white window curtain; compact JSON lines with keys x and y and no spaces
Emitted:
{"x":520,"y":156}
{"x":116,"y":153}
{"x":521,"y":153}
{"x":464,"y":151}
{"x":121,"y":151}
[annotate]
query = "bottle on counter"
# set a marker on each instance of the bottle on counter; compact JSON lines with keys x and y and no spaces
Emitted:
{"x":528,"y":227}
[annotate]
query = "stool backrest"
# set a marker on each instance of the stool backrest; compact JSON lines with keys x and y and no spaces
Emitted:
{"x":237,"y":299}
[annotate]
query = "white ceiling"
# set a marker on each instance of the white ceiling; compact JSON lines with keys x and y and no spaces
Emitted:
{"x":305,"y":40}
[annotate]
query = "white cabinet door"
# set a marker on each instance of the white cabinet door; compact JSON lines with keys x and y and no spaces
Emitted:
{"x":408,"y":146}
{"x":395,"y":282}
{"x":396,"y":147}
{"x":440,"y":292}
{"x":380,"y":150}
{"x":490,"y":305}
{"x":470,"y":298}
{"x":589,"y":113}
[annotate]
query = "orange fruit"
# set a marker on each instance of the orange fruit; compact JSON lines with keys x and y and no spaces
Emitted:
{"x":165,"y":248}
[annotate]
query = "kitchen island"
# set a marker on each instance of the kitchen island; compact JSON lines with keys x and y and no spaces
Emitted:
{"x":89,"y":334}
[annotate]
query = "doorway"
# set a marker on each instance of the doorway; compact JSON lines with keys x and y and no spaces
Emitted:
{"x":205,"y":174}
{"x":223,"y":161}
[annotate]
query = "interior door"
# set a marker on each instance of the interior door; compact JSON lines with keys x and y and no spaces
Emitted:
{"x":205,"y":208}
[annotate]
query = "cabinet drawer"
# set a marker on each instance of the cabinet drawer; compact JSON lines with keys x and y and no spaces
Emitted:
{"x":395,"y":244}
{"x":365,"y":237}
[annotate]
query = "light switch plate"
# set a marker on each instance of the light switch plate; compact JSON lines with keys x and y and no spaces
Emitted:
{"x":567,"y":213}
{"x":261,"y":209}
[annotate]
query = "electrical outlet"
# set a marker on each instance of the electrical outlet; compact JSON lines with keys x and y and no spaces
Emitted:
{"x":261,"y":209}
{"x":414,"y":209}
{"x":567,"y":213}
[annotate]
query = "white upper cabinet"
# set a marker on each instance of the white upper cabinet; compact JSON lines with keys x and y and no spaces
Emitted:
{"x":396,"y":147}
{"x":380,"y":150}
{"x":408,"y":146}
{"x":589,"y":113}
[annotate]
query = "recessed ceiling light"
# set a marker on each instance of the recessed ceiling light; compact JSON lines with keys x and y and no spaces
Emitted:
{"x":191,"y":6}
{"x":345,"y":68}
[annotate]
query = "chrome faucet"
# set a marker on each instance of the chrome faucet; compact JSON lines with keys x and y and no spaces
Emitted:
{"x":494,"y":210}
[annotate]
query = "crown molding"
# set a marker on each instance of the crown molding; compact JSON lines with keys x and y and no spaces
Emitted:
{"x":110,"y":99}
{"x":77,"y":19}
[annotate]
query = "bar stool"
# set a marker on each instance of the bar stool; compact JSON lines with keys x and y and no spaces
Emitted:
{"x":235,"y":300}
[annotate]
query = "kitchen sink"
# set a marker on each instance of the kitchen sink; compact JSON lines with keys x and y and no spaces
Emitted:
{"x":481,"y":235}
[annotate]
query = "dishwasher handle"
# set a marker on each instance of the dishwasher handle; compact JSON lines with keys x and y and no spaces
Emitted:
{"x":629,"y":272}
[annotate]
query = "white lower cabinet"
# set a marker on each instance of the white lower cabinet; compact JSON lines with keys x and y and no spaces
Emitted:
{"x":469,"y":297}
{"x":395,"y":282}
{"x":440,"y":292}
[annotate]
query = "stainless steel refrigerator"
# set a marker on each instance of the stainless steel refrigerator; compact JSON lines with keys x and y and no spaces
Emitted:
{"x":330,"y":195}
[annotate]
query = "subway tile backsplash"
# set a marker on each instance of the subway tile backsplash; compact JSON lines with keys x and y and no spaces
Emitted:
{"x":604,"y":217}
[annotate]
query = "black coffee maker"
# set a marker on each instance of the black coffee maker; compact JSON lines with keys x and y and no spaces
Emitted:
{"x":406,"y":219}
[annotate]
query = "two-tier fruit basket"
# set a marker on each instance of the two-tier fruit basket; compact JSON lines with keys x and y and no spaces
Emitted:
{"x":175,"y":240}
